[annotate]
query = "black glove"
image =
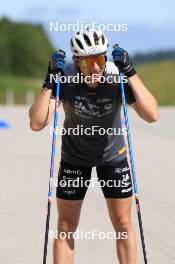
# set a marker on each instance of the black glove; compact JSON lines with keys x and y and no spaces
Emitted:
{"x":56,"y":66}
{"x":122,"y":61}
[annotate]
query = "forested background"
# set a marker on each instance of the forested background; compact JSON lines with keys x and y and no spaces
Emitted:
{"x":25,"y":50}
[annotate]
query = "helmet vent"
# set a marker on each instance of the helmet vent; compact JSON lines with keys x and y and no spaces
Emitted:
{"x":79,"y":43}
{"x":87,"y":40}
{"x":103,"y":39}
{"x":96,"y":38}
{"x":72,"y":43}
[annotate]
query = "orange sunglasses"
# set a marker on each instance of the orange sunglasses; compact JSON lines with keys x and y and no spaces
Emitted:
{"x":89,"y":61}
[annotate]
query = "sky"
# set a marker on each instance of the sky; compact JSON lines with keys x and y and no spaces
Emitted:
{"x":151,"y":24}
{"x":136,"y":11}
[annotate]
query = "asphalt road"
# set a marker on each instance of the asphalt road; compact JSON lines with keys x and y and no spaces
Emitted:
{"x":24,"y":172}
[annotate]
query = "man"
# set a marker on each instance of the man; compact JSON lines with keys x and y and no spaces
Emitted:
{"x":88,"y":104}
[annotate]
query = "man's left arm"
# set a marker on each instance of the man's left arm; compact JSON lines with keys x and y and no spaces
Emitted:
{"x":145,"y":105}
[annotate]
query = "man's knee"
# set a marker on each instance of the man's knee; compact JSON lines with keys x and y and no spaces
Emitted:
{"x":122,"y":223}
{"x":67,"y":225}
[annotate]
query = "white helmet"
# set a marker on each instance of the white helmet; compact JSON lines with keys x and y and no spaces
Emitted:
{"x":88,"y":42}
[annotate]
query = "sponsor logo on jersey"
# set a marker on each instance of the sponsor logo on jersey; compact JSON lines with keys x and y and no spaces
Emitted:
{"x":120,"y":170}
{"x":126,"y":190}
{"x":75,"y":172}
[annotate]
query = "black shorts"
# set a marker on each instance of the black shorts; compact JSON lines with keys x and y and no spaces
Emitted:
{"x":73,"y":180}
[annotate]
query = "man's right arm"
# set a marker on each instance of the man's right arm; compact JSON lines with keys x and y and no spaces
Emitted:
{"x":42,"y":110}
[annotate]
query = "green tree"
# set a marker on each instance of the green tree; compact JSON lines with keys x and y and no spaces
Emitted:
{"x":24,"y":49}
